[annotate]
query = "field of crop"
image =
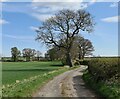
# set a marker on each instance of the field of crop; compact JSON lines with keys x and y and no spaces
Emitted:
{"x":22,"y":70}
{"x":21,"y":79}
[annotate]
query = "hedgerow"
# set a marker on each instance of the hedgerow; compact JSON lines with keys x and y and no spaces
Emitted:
{"x":104,"y":69}
{"x":103,"y":76}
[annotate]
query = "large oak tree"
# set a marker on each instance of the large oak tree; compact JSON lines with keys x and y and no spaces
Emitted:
{"x":61,"y":29}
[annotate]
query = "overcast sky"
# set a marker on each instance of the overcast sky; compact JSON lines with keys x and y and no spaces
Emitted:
{"x":20,"y":19}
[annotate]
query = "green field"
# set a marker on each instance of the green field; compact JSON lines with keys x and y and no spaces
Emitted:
{"x":22,"y":79}
{"x":13,"y":71}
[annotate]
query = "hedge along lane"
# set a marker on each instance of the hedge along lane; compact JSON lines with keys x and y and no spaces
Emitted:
{"x":102,"y":76}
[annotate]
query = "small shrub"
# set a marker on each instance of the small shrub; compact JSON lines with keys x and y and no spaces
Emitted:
{"x":20,"y":60}
{"x":76,"y":62}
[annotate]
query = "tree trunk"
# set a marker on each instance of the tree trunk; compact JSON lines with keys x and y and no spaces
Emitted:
{"x":80,"y":57}
{"x":38,"y":58}
{"x":27,"y":58}
{"x":14,"y":58}
{"x":83,"y":56}
{"x":68,"y":59}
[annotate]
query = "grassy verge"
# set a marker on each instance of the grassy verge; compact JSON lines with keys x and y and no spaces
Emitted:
{"x":26,"y":87}
{"x":102,"y":88}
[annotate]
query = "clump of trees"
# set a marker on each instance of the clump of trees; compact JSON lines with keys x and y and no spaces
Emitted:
{"x":84,"y":47}
{"x":38,"y":55}
{"x":62,"y":30}
{"x":27,"y":53}
{"x":81,"y":47}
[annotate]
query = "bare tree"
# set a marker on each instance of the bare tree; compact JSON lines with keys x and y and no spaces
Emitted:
{"x":38,"y":54}
{"x":28,"y":53}
{"x":61,"y":29}
{"x":85,"y":47}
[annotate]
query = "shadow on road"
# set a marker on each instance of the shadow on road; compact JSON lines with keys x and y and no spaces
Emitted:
{"x":82,"y":90}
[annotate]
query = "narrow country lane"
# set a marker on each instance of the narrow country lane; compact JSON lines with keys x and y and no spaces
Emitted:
{"x":68,"y":84}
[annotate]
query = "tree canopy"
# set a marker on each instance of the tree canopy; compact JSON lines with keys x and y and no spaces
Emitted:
{"x":15,"y":53}
{"x":61,"y":29}
{"x":28,"y":53}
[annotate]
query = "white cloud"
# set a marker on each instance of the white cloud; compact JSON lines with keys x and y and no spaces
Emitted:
{"x":93,"y":1}
{"x":44,"y":10}
{"x":107,"y":0}
{"x":19,"y":37}
{"x":41,"y":17}
{"x":43,"y":6}
{"x":2,"y":21}
{"x":15,"y":0}
{"x":55,"y":6}
{"x":41,"y":9}
{"x":4,"y":0}
{"x":76,"y":1}
{"x":115,"y":4}
{"x":56,"y":0}
{"x":111,"y":19}
{"x":33,"y":28}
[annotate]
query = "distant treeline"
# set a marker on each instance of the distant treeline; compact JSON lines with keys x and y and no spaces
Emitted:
{"x":22,"y":59}
{"x":106,"y":57}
